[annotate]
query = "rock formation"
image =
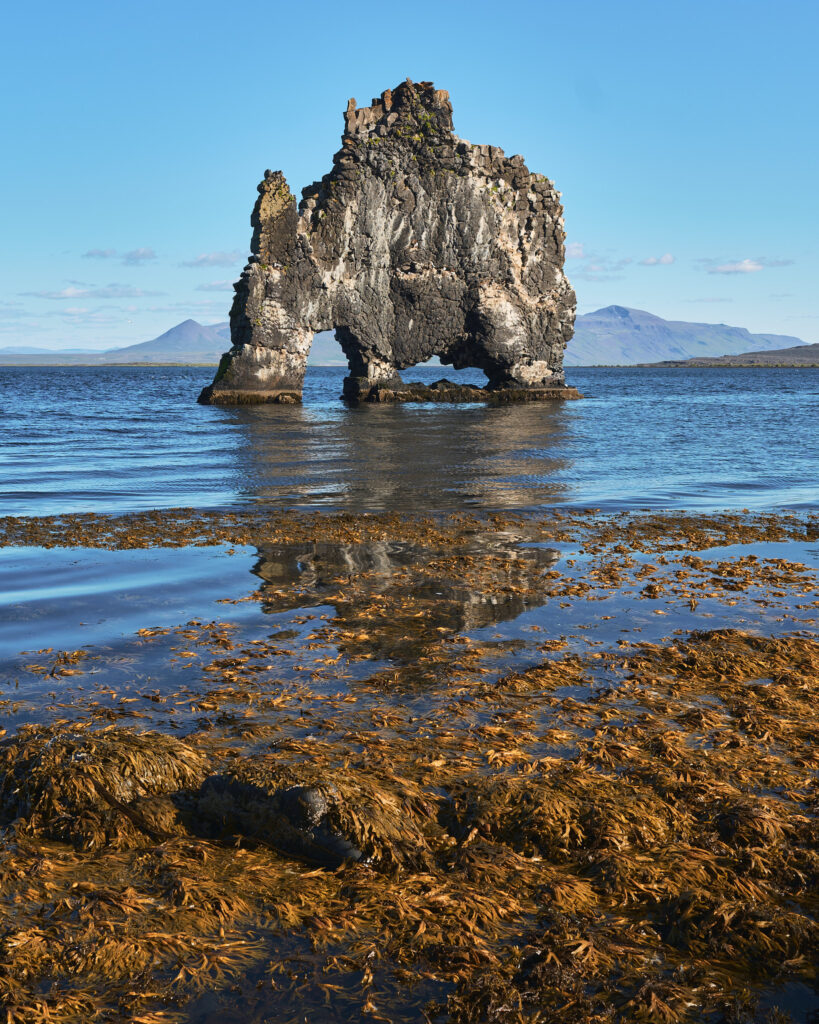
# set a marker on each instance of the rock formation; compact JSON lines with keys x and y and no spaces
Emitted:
{"x":416,"y":244}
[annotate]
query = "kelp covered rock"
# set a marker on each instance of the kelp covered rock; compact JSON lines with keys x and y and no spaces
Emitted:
{"x":300,"y":812}
{"x":93,"y":788}
{"x":559,"y":811}
{"x":114,"y":787}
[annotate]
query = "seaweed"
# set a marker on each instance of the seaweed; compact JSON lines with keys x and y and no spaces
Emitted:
{"x":618,"y":832}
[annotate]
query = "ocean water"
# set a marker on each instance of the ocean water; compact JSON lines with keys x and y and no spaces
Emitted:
{"x":110,"y":439}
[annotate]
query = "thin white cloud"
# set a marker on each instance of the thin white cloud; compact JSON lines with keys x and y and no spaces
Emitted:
{"x":601,"y":268}
{"x":215,"y":286}
{"x":203,"y":306}
{"x":85,"y":314}
{"x":746,"y":266}
{"x":215,"y":259}
{"x":94,"y":319}
{"x":138,"y":256}
{"x":597,"y":265}
{"x":99,"y":254}
{"x":9,"y":311}
{"x":740,"y":267}
{"x":658,"y":261}
{"x":111,"y":291}
{"x":587,"y":274}
{"x":65,"y":293}
{"x":14,"y":328}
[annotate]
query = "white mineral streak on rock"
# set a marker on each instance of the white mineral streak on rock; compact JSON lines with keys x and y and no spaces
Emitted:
{"x":533,"y":373}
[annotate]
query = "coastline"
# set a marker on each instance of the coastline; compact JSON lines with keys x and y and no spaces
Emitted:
{"x":573,"y":750}
{"x":102,"y":366}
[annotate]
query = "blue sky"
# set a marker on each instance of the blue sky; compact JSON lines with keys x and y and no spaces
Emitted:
{"x":681,"y":134}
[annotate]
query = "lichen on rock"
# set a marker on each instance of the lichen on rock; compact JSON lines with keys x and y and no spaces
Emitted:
{"x":416,"y":244}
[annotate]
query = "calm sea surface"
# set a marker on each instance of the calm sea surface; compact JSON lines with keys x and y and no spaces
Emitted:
{"x":118,"y":438}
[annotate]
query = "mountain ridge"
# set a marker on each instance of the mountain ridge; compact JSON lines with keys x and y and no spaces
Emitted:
{"x":611,"y":336}
{"x":185,"y":342}
{"x":621,"y":336}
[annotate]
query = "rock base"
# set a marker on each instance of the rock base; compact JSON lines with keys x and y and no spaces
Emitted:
{"x":359,"y":389}
{"x":233,"y":396}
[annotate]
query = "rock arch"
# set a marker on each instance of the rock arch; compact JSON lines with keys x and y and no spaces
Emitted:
{"x":416,"y":244}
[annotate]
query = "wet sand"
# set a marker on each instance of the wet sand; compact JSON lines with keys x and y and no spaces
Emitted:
{"x":577,"y":753}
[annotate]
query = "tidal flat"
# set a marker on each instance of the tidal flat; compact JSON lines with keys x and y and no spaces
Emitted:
{"x":552,"y":767}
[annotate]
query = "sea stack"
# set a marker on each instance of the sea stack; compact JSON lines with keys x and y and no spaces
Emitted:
{"x":416,"y":244}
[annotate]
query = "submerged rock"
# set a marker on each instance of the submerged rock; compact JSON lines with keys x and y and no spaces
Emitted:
{"x":416,"y":244}
{"x":359,"y":389}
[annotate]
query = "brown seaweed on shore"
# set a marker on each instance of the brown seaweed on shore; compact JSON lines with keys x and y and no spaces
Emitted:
{"x":621,"y":833}
{"x":645,"y":532}
{"x":664,"y":871}
{"x":94,"y":788}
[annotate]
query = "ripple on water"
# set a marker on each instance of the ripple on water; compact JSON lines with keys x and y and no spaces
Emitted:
{"x":123,"y":438}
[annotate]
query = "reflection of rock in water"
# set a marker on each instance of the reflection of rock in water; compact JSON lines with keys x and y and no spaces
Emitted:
{"x":410,"y":594}
{"x":402,"y":458}
{"x":317,"y":565}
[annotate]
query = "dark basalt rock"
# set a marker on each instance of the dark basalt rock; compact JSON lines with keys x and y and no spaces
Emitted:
{"x":416,"y":244}
{"x":358,"y":389}
{"x":296,"y":821}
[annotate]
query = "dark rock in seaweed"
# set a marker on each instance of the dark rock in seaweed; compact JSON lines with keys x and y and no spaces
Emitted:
{"x":416,"y":244}
{"x":113,"y":787}
{"x":295,"y":821}
{"x":298,"y":811}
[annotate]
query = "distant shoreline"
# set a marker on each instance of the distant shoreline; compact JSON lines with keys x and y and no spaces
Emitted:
{"x":99,"y":366}
{"x":340,"y":366}
{"x":726,"y":366}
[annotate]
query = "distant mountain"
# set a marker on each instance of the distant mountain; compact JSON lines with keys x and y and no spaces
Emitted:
{"x":188,"y":341}
{"x":614,"y":336}
{"x":618,"y":336}
{"x":798,"y":355}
